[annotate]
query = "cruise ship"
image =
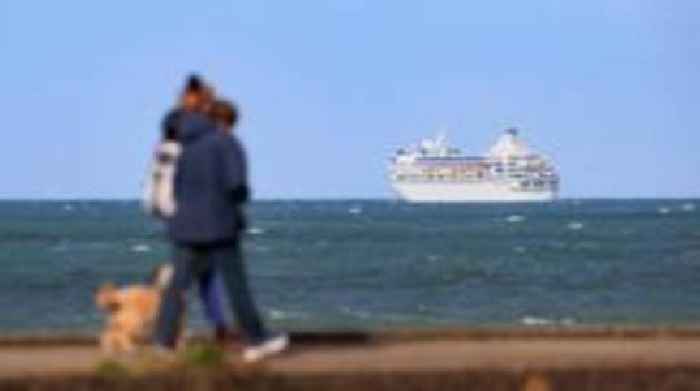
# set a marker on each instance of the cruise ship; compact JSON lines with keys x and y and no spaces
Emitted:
{"x":433,"y":171}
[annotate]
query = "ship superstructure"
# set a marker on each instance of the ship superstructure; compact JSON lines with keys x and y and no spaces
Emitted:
{"x":433,"y":171}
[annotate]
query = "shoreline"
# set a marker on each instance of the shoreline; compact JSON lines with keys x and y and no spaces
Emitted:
{"x":351,"y":336}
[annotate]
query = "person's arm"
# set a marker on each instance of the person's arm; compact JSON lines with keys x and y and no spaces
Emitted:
{"x":235,"y":170}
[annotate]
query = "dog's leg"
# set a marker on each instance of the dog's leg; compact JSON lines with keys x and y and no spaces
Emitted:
{"x":107,"y":343}
{"x":113,"y":341}
{"x":127,"y":343}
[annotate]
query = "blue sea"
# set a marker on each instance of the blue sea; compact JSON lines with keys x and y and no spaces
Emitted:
{"x":377,"y":264}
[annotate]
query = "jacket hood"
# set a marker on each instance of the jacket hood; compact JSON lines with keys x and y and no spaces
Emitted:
{"x":193,"y":126}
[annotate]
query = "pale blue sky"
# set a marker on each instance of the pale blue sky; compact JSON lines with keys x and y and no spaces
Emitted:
{"x":328,"y":88}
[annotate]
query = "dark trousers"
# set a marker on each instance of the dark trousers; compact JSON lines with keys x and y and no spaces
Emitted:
{"x":190,"y":262}
{"x":210,"y":291}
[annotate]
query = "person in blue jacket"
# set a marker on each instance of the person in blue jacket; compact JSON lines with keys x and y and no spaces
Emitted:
{"x":197,"y":97}
{"x":211,"y":187}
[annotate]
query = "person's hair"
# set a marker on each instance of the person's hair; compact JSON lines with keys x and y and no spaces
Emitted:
{"x":194,"y":83}
{"x":224,"y":113}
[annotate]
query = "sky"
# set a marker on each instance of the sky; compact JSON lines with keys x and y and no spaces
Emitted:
{"x":328,"y":89}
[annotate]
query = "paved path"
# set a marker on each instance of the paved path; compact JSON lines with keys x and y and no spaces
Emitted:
{"x":16,"y":361}
{"x":508,"y":355}
{"x":511,"y":354}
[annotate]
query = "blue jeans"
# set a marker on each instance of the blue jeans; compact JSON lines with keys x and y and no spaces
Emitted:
{"x":190,"y":262}
{"x":210,"y":291}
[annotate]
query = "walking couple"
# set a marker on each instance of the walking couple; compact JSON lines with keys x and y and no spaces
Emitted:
{"x":200,"y":186}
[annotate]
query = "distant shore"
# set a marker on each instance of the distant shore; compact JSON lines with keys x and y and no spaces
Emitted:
{"x":591,"y":358}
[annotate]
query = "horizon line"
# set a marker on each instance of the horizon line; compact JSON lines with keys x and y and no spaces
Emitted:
{"x":312,"y":199}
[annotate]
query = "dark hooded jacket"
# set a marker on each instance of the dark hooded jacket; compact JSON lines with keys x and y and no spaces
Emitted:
{"x":211,"y":184}
{"x":170,"y":124}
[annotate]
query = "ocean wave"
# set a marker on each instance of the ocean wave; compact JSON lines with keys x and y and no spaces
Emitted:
{"x":536,"y":321}
{"x":355,"y":210}
{"x":60,"y":247}
{"x":515,"y":219}
{"x":141,"y":248}
{"x":587,"y":245}
{"x":575,"y":225}
{"x":275,"y":314}
{"x":688,"y":207}
{"x":361,"y":314}
{"x":255,"y":231}
{"x":664,"y":210}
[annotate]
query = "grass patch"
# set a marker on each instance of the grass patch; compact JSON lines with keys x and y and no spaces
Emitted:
{"x":111,"y":368}
{"x":204,"y":356}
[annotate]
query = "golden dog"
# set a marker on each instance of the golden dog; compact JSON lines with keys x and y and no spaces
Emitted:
{"x":131,"y":311}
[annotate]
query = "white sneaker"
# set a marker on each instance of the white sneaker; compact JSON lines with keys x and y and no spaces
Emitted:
{"x":273,"y":345}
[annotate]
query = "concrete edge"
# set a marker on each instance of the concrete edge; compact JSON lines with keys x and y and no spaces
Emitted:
{"x":360,"y":337}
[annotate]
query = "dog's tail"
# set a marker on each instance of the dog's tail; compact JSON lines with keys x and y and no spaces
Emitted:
{"x":161,"y":276}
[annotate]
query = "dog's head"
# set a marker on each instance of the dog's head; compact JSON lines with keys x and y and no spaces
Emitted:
{"x":107,"y":298}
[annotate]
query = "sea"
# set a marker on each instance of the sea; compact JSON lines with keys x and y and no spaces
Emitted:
{"x":377,"y":264}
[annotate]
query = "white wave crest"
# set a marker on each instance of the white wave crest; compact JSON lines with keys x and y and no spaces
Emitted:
{"x":575,"y":225}
{"x":355,"y":210}
{"x":255,"y":231}
{"x":688,"y":207}
{"x":277,"y":314}
{"x":515,"y":219}
{"x":535,"y":321}
{"x":141,"y":248}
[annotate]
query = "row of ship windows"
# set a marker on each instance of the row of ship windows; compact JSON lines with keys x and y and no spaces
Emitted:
{"x":450,"y":178}
{"x":493,"y":170}
{"x":438,"y":177}
{"x":526,"y":184}
{"x":490,"y":166}
{"x":455,"y":177}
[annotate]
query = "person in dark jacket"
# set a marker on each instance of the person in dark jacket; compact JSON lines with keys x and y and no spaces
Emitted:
{"x":197,"y":97}
{"x":211,"y":185}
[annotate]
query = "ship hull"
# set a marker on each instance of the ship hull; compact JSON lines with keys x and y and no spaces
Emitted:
{"x":430,"y":192}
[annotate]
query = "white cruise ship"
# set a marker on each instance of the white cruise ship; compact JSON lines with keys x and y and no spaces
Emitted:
{"x":510,"y":172}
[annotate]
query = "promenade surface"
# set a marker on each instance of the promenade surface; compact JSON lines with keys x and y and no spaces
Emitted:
{"x":469,"y":351}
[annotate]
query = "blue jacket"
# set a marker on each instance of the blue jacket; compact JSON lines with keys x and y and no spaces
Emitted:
{"x":211,"y":184}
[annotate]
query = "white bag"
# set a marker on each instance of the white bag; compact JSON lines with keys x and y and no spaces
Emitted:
{"x":159,"y":188}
